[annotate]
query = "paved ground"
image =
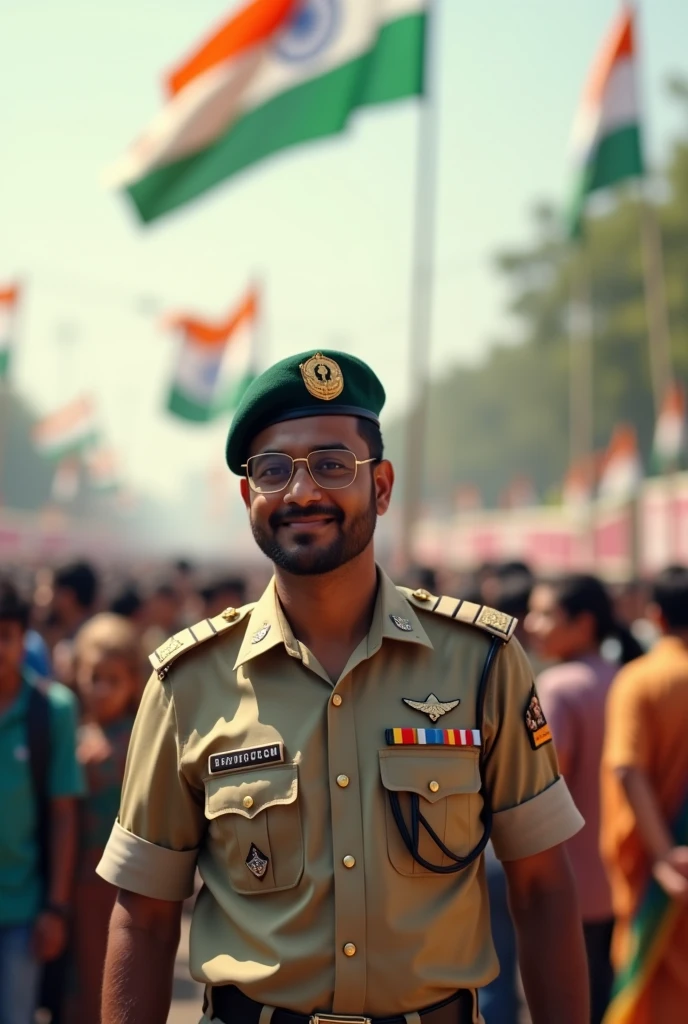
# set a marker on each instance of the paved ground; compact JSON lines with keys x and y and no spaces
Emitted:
{"x":188,"y":996}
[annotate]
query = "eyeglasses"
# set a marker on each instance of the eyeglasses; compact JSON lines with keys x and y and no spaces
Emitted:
{"x":331,"y":469}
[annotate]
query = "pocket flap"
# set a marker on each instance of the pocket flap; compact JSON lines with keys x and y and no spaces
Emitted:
{"x":432,"y":774}
{"x":249,"y":792}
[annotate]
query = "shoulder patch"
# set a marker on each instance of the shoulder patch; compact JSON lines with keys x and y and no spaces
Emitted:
{"x":161,"y":659}
{"x":489,"y":619}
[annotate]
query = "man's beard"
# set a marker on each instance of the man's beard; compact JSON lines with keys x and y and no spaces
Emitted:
{"x":306,"y":558}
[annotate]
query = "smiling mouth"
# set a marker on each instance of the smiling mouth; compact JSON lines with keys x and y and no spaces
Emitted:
{"x":306,"y":523}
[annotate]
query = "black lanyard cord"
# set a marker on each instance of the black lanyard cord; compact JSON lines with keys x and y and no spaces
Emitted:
{"x":411,"y":838}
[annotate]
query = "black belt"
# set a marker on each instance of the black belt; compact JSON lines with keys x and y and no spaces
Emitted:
{"x":232,"y":1007}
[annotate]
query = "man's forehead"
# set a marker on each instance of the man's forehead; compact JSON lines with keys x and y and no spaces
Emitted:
{"x":308,"y":432}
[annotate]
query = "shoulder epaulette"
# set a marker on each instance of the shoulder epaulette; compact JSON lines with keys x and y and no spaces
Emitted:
{"x":492,"y":621}
{"x":161,"y":659}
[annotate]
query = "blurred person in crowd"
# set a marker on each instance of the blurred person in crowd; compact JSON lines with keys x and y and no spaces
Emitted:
{"x":163,"y":615}
{"x":37,"y":654}
{"x":491,"y":578}
{"x":229,"y":592}
{"x":645,"y":817}
{"x":184,"y":582}
{"x":499,"y":1001}
{"x":40,"y":779}
{"x":110,"y":677}
{"x":129,"y":604}
{"x":568,"y":622}
{"x":630,"y":607}
{"x":75,"y":589}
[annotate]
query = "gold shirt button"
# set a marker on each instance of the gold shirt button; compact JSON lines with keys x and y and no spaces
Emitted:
{"x":336,"y":700}
{"x":350,"y":949}
{"x":343,"y":781}
{"x":433,"y":786}
{"x":349,"y":861}
{"x":247,"y":801}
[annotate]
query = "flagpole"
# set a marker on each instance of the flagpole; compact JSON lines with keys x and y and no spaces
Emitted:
{"x":581,"y":385}
{"x":659,"y":341}
{"x":424,"y":231}
{"x":7,"y":392}
{"x":659,"y":338}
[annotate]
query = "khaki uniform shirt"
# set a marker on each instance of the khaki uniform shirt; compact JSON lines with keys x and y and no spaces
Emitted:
{"x":343,"y":919}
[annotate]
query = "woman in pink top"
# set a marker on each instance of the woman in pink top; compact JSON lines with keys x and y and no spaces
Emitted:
{"x":568,"y":621}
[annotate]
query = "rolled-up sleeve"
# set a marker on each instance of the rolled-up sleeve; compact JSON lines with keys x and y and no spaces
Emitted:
{"x":154,"y":843}
{"x":531,"y":804}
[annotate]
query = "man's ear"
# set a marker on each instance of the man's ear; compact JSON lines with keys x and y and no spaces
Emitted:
{"x":245,"y":492}
{"x":383,"y":475}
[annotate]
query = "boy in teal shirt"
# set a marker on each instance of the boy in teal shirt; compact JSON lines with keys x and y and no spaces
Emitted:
{"x":34,"y":902}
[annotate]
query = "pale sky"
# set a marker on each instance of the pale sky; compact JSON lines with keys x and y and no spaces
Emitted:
{"x":327,"y":227}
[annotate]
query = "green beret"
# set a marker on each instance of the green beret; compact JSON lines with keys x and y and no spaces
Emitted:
{"x":309,"y":384}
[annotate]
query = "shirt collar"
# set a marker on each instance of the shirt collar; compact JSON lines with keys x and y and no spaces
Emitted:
{"x":393,"y":619}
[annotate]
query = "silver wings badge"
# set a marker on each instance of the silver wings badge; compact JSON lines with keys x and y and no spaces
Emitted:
{"x":432,"y":706}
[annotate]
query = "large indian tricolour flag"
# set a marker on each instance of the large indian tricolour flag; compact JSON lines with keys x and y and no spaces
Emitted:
{"x":9,"y":301}
{"x":606,"y":147}
{"x":277,"y":73}
{"x":215,"y":364}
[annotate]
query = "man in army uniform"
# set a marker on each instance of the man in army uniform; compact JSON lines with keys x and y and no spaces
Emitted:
{"x":333,"y":759}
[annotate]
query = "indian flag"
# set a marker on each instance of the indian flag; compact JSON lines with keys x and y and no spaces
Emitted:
{"x":215,"y":362}
{"x":9,"y":302}
{"x":67,"y":431}
{"x":276,"y":74}
{"x":622,"y":470}
{"x":670,"y":433}
{"x":606,"y":145}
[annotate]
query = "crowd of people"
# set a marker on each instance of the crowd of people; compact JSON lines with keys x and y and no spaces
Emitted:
{"x":611,"y":670}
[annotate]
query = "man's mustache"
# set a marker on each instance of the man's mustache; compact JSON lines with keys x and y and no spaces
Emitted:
{"x":295,"y":514}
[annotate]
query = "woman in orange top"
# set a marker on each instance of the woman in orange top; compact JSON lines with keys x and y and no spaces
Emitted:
{"x":644,"y":833}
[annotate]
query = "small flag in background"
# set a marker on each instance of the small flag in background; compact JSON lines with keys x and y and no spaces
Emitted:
{"x":671,"y":432}
{"x":622,"y":470}
{"x":68,"y":431}
{"x":66,"y":478}
{"x":276,"y":74}
{"x":579,"y":483}
{"x":9,"y":303}
{"x":215,"y":362}
{"x":103,"y":468}
{"x":606,"y":134}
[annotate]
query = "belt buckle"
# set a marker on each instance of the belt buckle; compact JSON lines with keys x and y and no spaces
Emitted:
{"x":338,"y":1018}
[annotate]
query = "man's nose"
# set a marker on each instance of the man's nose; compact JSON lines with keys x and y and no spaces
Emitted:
{"x":302,"y":488}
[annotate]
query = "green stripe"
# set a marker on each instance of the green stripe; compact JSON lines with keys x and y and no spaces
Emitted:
{"x":64,"y":450}
{"x":392,"y":69}
{"x":4,"y":362}
{"x":187,"y":408}
{"x":617,"y":158}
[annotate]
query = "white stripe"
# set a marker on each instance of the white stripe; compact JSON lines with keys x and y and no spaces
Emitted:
{"x":206,"y":107}
{"x":618,"y":109}
{"x":6,"y":326}
{"x":198,"y":369}
{"x":421,"y":735}
{"x":49,"y":441}
{"x":476,"y":737}
{"x":462,"y":733}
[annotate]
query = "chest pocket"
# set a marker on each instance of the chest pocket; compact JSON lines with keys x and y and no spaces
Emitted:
{"x":254,"y":816}
{"x":448,"y":785}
